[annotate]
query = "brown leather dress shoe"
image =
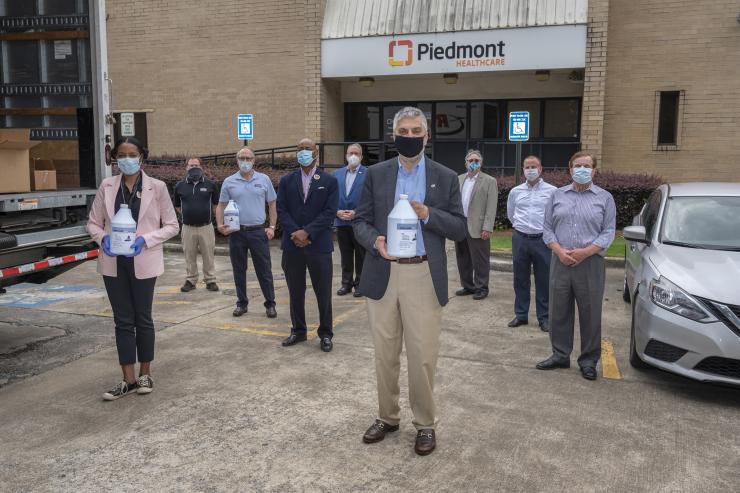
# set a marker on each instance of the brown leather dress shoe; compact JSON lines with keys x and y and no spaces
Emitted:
{"x":377,"y":431}
{"x":425,"y":442}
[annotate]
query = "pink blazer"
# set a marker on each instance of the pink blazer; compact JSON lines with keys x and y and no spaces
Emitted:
{"x":157,"y":224}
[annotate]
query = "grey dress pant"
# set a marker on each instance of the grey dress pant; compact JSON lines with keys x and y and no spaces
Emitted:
{"x":582,"y":285}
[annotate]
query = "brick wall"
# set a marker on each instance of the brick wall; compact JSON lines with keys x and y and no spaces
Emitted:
{"x":594,"y":82}
{"x":688,"y":45}
{"x":198,"y":64}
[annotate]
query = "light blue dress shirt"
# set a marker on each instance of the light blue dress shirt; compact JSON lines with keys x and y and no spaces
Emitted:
{"x":250,"y":196}
{"x":525,"y":206}
{"x":414,"y":185}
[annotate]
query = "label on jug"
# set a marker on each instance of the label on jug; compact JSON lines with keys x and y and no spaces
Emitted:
{"x":121,"y":239}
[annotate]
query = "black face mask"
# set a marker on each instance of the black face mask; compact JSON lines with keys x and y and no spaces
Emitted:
{"x":409,"y":146}
{"x":194,"y":175}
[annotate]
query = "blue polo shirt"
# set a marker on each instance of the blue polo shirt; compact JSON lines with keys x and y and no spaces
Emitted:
{"x":250,"y":196}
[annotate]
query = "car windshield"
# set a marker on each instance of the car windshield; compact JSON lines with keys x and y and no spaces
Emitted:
{"x":703,"y":222}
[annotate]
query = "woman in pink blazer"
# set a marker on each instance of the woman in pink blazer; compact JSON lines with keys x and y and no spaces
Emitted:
{"x":129,"y":279}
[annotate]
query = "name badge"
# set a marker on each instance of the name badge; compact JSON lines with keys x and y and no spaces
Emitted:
{"x":203,"y":189}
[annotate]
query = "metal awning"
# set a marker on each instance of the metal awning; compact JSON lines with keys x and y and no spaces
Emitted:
{"x":361,"y":18}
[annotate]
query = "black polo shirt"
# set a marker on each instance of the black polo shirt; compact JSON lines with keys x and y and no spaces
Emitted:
{"x":133,"y":198}
{"x":196,"y":200}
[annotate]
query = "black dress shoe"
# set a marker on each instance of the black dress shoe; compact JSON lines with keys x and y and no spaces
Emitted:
{"x":464,"y":292}
{"x":552,"y":362}
{"x":588,"y":372}
{"x":479,"y":295}
{"x":544,"y":326}
{"x":357,"y":293}
{"x":188,"y":286}
{"x":271,"y":312}
{"x":377,"y":431}
{"x":344,"y":290}
{"x":425,"y":442}
{"x":516,"y":322}
{"x":293,"y":339}
{"x":326,"y":344}
{"x":212,"y":286}
{"x":239,"y":311}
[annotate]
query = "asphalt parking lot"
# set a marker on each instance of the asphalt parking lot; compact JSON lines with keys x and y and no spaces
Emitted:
{"x":234,"y":411}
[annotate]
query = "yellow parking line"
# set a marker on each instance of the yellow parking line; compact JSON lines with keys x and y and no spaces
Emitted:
{"x":609,"y":367}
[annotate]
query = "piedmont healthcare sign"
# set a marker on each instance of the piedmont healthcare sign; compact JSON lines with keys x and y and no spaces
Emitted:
{"x":529,"y":48}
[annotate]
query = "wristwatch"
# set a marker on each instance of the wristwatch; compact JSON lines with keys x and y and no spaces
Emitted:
{"x":271,"y":227}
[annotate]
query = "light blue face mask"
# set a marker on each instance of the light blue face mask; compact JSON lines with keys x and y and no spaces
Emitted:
{"x":531,"y":174}
{"x":473,"y":166}
{"x":129,"y":165}
{"x":245,"y":166}
{"x":305,"y":157}
{"x":582,"y":175}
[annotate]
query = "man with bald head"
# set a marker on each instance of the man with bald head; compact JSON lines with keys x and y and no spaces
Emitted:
{"x":307,"y":204}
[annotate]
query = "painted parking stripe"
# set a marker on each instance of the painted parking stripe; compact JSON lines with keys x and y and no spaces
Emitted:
{"x":609,"y":367}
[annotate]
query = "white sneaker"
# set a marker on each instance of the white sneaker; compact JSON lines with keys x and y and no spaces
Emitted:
{"x":121,"y":390}
{"x":145,"y":385}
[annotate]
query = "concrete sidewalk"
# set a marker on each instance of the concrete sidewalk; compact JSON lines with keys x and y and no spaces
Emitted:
{"x":234,"y":411}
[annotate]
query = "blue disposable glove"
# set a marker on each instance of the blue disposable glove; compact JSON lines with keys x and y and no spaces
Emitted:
{"x":138,"y":246}
{"x":106,"y":246}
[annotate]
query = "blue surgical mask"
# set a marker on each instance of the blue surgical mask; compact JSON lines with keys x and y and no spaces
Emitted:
{"x":582,"y":175}
{"x":473,"y":166}
{"x":531,"y":174}
{"x":305,"y":157}
{"x":245,"y":166}
{"x":129,"y":165}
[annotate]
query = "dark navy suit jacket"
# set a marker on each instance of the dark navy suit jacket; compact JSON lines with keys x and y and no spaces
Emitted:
{"x":316,"y":215}
{"x":349,"y":201}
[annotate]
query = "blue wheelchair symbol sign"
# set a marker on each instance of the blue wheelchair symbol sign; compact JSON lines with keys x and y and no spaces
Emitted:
{"x":518,"y":126}
{"x":244,"y":127}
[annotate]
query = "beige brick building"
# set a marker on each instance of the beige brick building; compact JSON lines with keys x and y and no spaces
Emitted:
{"x":592,"y":73}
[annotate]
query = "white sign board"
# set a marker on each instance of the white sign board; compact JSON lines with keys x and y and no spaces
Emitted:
{"x":127,"y":125}
{"x":527,"y":48}
{"x":519,"y":126}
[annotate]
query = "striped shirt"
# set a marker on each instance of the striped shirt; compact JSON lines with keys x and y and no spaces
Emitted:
{"x":577,"y":220}
{"x":526,"y":204}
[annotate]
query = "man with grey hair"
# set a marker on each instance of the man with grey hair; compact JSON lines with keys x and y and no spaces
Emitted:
{"x":406,"y":295}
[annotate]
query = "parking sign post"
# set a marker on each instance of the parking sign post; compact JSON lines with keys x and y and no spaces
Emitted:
{"x":518,"y":132}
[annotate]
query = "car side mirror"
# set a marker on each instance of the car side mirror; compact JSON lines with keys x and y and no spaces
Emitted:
{"x":636,"y":234}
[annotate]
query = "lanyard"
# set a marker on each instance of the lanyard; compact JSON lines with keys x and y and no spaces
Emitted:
{"x":133,"y":192}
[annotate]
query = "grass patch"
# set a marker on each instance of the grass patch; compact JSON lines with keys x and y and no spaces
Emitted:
{"x":501,"y":242}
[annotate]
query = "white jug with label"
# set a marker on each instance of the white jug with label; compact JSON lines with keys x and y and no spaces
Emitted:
{"x":231,"y":216}
{"x":402,"y":229}
{"x":123,"y":232}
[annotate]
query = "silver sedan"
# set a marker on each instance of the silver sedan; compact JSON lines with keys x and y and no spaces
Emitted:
{"x":682,"y":274}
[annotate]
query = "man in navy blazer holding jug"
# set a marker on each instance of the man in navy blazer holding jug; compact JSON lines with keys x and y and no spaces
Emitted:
{"x":307,"y":204}
{"x":350,"y":180}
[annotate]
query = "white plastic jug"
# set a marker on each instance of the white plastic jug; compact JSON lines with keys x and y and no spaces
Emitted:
{"x":123,"y":231}
{"x":403,"y":226}
{"x":231,"y":216}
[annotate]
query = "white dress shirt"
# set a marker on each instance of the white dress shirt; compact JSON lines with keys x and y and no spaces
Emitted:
{"x":526,"y":204}
{"x":467,"y":191}
{"x":350,"y":179}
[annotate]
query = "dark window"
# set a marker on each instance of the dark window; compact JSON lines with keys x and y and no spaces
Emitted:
{"x":650,"y":215}
{"x":451,"y":121}
{"x":23,"y":62}
{"x":17,"y":8}
{"x":485,"y":120}
{"x":561,"y":118}
{"x":668,"y":118}
{"x":57,"y":7}
{"x":363,"y":122}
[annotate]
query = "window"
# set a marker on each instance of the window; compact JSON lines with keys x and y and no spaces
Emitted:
{"x":561,"y":118}
{"x":668,"y":119}
{"x":650,"y":215}
{"x":485,"y":120}
{"x":451,"y":121}
{"x":363,"y":122}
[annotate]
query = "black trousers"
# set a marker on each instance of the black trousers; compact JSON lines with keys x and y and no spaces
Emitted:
{"x":353,"y":255}
{"x":473,"y":263}
{"x":530,"y":254}
{"x":320,"y":268}
{"x":256,"y":243}
{"x":131,"y":300}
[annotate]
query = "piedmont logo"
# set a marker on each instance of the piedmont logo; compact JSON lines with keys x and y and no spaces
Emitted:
{"x":400,"y":59}
{"x":463,"y":55}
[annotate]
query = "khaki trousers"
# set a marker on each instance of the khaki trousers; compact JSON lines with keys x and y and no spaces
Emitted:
{"x":408,"y":311}
{"x":203,"y":239}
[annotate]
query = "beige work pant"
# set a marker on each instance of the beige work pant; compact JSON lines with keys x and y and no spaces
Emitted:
{"x":408,"y":311}
{"x":203,"y":239}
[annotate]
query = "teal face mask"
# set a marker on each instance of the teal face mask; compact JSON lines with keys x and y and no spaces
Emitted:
{"x":128,"y":165}
{"x":473,"y":166}
{"x":305,"y":157}
{"x":582,"y":175}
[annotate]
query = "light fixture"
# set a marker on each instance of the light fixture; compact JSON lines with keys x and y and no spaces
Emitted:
{"x":367,"y":81}
{"x":542,"y":75}
{"x":450,"y":78}
{"x":576,"y":76}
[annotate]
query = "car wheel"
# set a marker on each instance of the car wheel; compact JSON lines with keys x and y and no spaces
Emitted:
{"x":635,"y":360}
{"x":625,"y":290}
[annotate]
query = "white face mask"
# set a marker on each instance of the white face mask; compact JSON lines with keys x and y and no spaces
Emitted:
{"x":245,"y":166}
{"x":531,"y":174}
{"x":353,"y":161}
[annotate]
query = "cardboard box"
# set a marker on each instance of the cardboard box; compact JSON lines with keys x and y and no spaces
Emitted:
{"x":44,"y":176}
{"x":15,"y":144}
{"x":68,"y":173}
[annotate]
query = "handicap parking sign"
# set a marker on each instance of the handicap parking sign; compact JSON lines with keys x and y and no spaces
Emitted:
{"x":244,"y":127}
{"x":519,"y":125}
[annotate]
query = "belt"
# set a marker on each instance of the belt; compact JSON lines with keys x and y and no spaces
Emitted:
{"x":531,"y":237}
{"x":252,"y":228}
{"x":412,"y":260}
{"x":198,"y":225}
